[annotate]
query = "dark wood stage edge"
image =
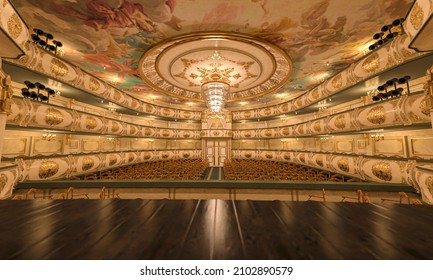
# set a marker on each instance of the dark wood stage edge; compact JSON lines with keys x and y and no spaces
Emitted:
{"x":213,"y":229}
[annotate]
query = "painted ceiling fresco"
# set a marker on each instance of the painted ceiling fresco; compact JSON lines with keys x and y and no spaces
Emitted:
{"x":108,"y":37}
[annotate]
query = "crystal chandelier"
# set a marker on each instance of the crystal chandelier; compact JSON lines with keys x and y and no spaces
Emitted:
{"x":215,"y":94}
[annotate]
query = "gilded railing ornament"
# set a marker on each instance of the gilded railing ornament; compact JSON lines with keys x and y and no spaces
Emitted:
{"x":319,"y":160}
{"x":58,"y":68}
{"x":343,"y":164}
{"x":94,"y":84}
{"x":112,"y":160}
{"x":340,"y":122}
{"x":48,"y":169}
{"x":429,"y":184}
{"x":91,"y":123}
{"x":337,"y":82}
{"x":147,"y":155}
{"x":371,"y":64}
{"x":427,"y":104}
{"x":269,"y":155}
{"x":88,"y":163}
{"x":376,"y":115}
{"x":54,"y":117}
{"x":15,"y":27}
{"x":382,"y":170}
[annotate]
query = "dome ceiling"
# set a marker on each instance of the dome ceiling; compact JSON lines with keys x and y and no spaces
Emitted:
{"x":108,"y":37}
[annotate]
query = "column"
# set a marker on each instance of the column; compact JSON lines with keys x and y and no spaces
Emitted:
{"x":5,"y":103}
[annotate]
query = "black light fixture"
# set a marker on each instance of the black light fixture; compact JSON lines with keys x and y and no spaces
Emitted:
{"x":396,"y":92}
{"x":381,"y":38}
{"x":34,"y":91}
{"x":45,"y":44}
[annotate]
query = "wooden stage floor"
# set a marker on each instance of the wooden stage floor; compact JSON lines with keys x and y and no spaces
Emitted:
{"x":213,"y":229}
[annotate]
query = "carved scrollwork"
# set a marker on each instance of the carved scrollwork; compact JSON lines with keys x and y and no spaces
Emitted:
{"x":48,"y":169}
{"x":382,"y":170}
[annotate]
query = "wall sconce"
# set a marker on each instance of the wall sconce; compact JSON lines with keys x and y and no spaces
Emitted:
{"x":29,"y":92}
{"x":36,"y":37}
{"x":49,"y":137}
{"x":381,"y":38}
{"x":383,"y":93}
{"x":377,"y":137}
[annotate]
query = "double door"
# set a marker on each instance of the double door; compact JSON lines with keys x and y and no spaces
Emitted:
{"x":216,"y":151}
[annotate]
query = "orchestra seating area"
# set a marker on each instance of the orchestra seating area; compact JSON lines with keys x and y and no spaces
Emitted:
{"x":174,"y":169}
{"x":252,"y":169}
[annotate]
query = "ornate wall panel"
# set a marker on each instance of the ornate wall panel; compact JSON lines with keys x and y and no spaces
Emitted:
{"x":418,"y":16}
{"x":12,"y":24}
{"x":389,"y":147}
{"x":421,"y":146}
{"x":423,"y":176}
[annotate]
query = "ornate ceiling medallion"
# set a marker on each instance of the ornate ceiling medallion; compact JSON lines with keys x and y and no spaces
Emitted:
{"x":250,"y":66}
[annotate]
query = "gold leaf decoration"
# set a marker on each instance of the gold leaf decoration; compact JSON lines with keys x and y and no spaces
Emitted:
{"x":382,"y":170}
{"x":134,"y":103}
{"x":48,"y":169}
{"x":315,"y":93}
{"x":88,"y":163}
{"x":54,"y":117}
{"x":269,"y":155}
{"x":165,"y":155}
{"x":247,"y":134}
{"x":286,"y":156}
{"x":15,"y":26}
{"x":114,"y":126}
{"x":267,"y":111}
{"x":149,"y":109}
{"x":376,"y":115}
{"x":268,"y":132}
{"x":94,"y":84}
{"x":340,"y":122}
{"x":317,"y":127}
{"x":285,"y":131}
{"x":429,"y":183}
{"x":132,"y":130}
{"x":247,"y":114}
{"x":343,"y":164}
{"x":147,"y":131}
{"x":147,"y":155}
{"x":165,"y":133}
{"x":3,"y":181}
{"x":187,"y":115}
{"x":416,"y":18}
{"x":91,"y":123}
{"x":186,"y":134}
{"x":371,"y":64}
{"x":216,"y":133}
{"x":117,"y":95}
{"x":112,"y":159}
{"x":285,"y":107}
{"x":337,"y":82}
{"x":131,"y":157}
{"x":248,"y":154}
{"x":186,"y":155}
{"x":319,"y":160}
{"x":58,"y":68}
{"x":302,"y":158}
{"x":301,"y":129}
{"x":166,"y":112}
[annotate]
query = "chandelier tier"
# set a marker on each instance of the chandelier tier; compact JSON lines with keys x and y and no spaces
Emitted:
{"x":215,"y":94}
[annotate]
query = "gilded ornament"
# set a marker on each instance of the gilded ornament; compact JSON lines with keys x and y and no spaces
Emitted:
{"x":48,"y":169}
{"x":340,"y":122}
{"x":268,"y":132}
{"x":132,"y":130}
{"x":147,"y":131}
{"x":186,"y":134}
{"x":317,"y":127}
{"x":285,"y":131}
{"x":269,"y":155}
{"x":248,"y":154}
{"x":337,"y":82}
{"x":315,"y":93}
{"x":147,"y":155}
{"x":382,"y":170}
{"x":88,"y":163}
{"x":15,"y":26}
{"x":166,"y":112}
{"x":114,"y":126}
{"x":3,"y":181}
{"x":186,"y":155}
{"x":428,"y":183}
{"x":376,"y":115}
{"x":165,"y":155}
{"x":298,"y":103}
{"x":91,"y":123}
{"x":134,"y":103}
{"x":343,"y":164}
{"x":371,"y":64}
{"x":416,"y":17}
{"x":54,"y":117}
{"x":247,"y":114}
{"x":287,"y":156}
{"x":319,"y":160}
{"x":302,"y":158}
{"x":131,"y":157}
{"x":149,"y":109}
{"x":285,"y":107}
{"x":165,"y":133}
{"x":94,"y":84}
{"x":267,"y":111}
{"x":301,"y":129}
{"x":117,"y":95}
{"x":187,"y":115}
{"x":247,"y":134}
{"x":112,"y":159}
{"x":216,"y":133}
{"x":58,"y":68}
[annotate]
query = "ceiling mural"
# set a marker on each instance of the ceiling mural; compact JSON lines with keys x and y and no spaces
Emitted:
{"x":108,"y":37}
